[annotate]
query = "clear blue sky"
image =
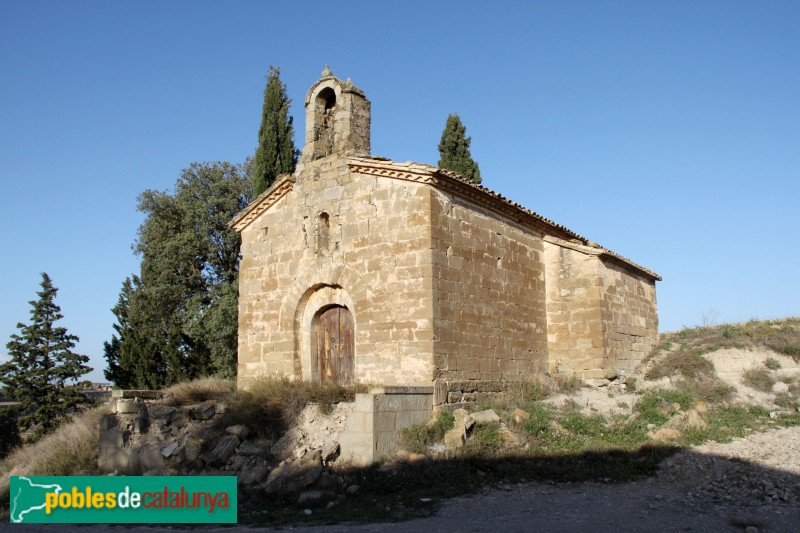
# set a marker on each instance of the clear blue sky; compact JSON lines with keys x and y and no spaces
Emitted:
{"x":666,"y":131}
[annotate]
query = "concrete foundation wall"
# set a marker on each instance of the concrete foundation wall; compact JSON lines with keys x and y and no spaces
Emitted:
{"x":372,"y":431}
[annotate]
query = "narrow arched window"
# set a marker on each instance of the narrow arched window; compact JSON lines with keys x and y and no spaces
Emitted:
{"x":323,"y":233}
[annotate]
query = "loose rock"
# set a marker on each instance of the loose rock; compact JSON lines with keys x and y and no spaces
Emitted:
{"x":171,"y":449}
{"x":312,"y":497}
{"x":486,"y":416}
{"x":520,"y":416}
{"x":239,"y":430}
{"x":254,"y":471}
{"x":162,"y":412}
{"x":293,"y":475}
{"x":329,"y":451}
{"x":204,"y":411}
{"x":780,"y":387}
{"x":224,"y":449}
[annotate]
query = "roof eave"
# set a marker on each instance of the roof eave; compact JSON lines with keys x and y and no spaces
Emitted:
{"x":451,"y":182}
{"x":282,"y":185}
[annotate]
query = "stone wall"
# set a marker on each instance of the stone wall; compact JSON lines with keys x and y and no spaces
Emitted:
{"x":374,"y":260}
{"x":602,"y":316}
{"x":440,"y":287}
{"x":129,"y":419}
{"x":488,"y":285}
{"x":337,"y":119}
{"x":574,"y":311}
{"x":630,"y":316}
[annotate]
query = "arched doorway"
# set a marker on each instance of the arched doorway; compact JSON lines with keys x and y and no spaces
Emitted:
{"x":335,"y":345}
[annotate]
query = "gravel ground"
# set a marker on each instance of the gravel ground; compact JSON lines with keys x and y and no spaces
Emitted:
{"x":751,"y":484}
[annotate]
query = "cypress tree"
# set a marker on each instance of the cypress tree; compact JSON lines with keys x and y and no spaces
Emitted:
{"x":276,"y":153}
{"x":454,"y":150}
{"x":42,"y":362}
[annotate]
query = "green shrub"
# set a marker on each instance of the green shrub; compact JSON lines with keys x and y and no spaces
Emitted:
{"x":648,"y":405}
{"x":786,"y":401}
{"x":443,"y":423}
{"x":772,"y":363}
{"x":485,"y":439}
{"x":582,"y":425}
{"x":728,"y":331}
{"x":709,"y":389}
{"x":540,"y":418}
{"x":418,"y":437}
{"x":732,"y":421}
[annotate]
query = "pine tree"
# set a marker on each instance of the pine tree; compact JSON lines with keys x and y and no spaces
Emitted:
{"x":135,"y":359}
{"x":42,"y":362}
{"x":454,"y":150}
{"x":119,"y":370}
{"x":276,"y":153}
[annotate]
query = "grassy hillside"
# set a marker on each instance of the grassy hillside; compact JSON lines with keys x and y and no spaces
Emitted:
{"x":552,"y":427}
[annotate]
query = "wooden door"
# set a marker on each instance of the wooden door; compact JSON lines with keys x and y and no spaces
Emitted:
{"x":335,"y":345}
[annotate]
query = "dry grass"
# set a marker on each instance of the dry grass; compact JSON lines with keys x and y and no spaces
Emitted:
{"x":709,"y":389}
{"x":567,"y":383}
{"x":680,"y":355}
{"x":688,"y":364}
{"x":781,"y":336}
{"x":69,"y":450}
{"x":199,"y":390}
{"x":271,"y":405}
{"x":695,"y":373}
{"x":523,"y":392}
{"x":519,"y":393}
{"x":759,"y":379}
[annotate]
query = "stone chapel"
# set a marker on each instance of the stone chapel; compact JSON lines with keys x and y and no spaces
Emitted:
{"x":361,"y":269}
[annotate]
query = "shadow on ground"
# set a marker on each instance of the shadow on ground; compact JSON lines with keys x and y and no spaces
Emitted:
{"x":584,"y":492}
{"x":404,"y":490}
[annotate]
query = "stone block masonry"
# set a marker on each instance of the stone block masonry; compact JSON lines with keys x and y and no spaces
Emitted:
{"x":127,"y":422}
{"x":441,"y":283}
